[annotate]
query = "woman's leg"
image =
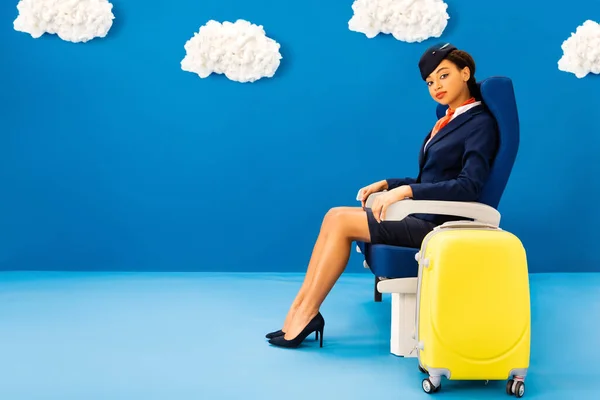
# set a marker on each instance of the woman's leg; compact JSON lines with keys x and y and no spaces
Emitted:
{"x":344,"y":227}
{"x":331,"y":216}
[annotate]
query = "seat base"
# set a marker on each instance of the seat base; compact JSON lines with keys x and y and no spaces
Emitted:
{"x":404,"y":311}
{"x":402,"y":342}
{"x":397,"y":277}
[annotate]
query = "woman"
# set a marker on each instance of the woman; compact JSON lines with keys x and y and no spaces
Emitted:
{"x":454,"y":162}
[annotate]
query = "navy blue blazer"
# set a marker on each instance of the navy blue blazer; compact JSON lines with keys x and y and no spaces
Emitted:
{"x":456,"y":163}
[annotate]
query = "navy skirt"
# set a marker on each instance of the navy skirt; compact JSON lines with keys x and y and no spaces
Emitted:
{"x":408,"y":232}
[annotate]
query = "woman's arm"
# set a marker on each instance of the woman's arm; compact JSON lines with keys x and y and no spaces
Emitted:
{"x":480,"y":149}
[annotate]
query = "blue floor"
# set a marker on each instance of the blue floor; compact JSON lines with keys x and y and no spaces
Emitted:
{"x":201,"y":336}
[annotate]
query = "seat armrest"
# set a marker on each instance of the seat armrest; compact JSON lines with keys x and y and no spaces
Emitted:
{"x":477,"y":211}
{"x":398,"y":285}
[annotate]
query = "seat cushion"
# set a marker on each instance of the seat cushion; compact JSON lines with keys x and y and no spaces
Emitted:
{"x":390,"y":261}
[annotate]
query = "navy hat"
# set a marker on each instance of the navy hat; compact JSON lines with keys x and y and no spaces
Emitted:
{"x":432,"y":57}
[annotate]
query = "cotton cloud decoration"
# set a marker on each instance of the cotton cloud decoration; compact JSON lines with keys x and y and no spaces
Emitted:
{"x":581,"y":51}
{"x":240,"y":50}
{"x":72,"y":20}
{"x":407,"y":20}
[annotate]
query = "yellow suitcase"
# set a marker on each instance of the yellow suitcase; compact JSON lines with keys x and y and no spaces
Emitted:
{"x":473,"y":306}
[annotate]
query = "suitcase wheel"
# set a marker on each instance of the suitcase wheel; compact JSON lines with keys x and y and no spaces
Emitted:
{"x":517,"y":388}
{"x":509,"y":387}
{"x":429,"y":387}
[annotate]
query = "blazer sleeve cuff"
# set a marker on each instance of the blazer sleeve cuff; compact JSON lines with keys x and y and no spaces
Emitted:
{"x":429,"y":191}
{"x":419,"y":192}
{"x":395,"y":182}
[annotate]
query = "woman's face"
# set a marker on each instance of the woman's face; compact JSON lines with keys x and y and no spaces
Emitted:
{"x":448,"y":83}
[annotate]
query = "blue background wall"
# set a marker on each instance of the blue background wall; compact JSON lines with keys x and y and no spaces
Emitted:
{"x":112,"y":157}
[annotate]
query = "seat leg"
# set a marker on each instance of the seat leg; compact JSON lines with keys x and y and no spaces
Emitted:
{"x":377,"y":294}
{"x":404,"y":309}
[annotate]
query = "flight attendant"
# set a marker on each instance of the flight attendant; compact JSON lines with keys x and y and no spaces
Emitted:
{"x":454,"y":164}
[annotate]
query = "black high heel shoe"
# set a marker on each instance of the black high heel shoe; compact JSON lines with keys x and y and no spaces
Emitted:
{"x":317,"y":325}
{"x":278,"y":333}
{"x":271,"y":335}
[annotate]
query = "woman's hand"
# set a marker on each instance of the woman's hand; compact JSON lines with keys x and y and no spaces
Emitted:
{"x":383,"y":201}
{"x":365,"y":192}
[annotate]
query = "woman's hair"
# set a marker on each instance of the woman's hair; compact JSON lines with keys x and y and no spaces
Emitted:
{"x":463,"y":59}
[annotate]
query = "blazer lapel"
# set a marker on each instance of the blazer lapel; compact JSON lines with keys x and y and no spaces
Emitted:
{"x":422,"y":151}
{"x":451,"y":126}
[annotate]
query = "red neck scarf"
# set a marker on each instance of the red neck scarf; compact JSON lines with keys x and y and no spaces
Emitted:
{"x":445,"y":119}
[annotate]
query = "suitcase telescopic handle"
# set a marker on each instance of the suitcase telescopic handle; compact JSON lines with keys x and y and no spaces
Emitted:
{"x":466,"y":225}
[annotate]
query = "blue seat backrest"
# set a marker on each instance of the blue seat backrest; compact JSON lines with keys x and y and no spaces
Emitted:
{"x":497,"y":94}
